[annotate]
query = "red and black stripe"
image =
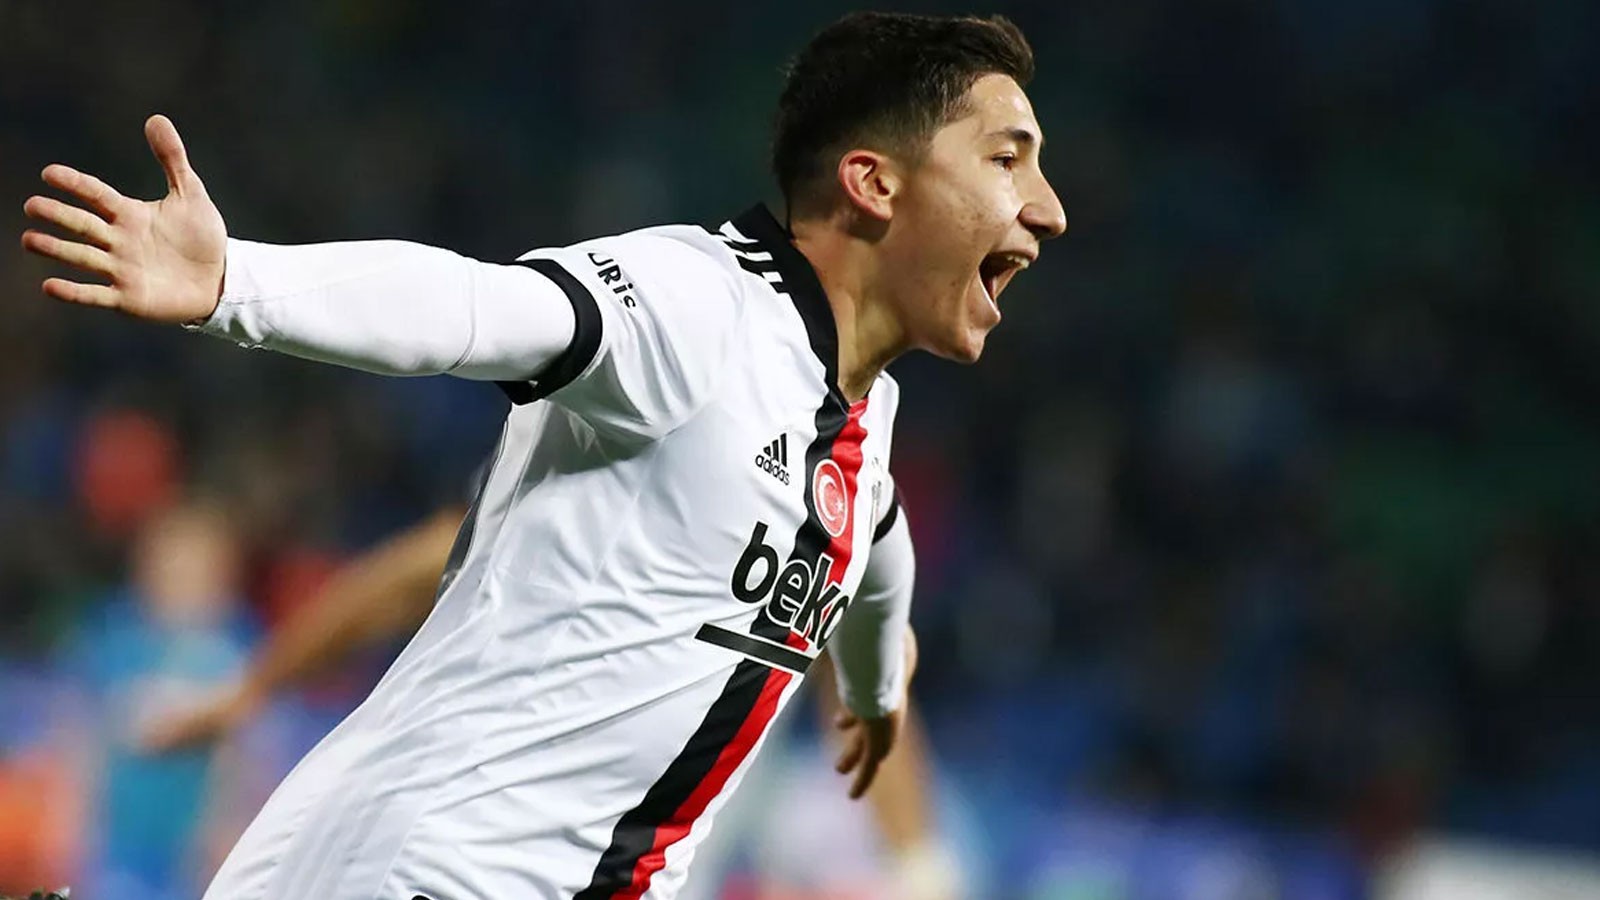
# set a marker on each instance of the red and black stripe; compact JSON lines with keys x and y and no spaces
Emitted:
{"x":749,"y":699}
{"x":701,"y":770}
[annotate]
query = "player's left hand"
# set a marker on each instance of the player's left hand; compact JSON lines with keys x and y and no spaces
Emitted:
{"x":867,"y":742}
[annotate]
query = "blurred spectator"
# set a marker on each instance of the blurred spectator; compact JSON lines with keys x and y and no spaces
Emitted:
{"x":173,"y":632}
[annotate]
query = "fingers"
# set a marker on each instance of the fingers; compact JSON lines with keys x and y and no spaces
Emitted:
{"x":78,"y":221}
{"x":867,"y":745}
{"x":91,"y":190}
{"x":82,"y":294}
{"x":855,"y":747}
{"x":82,"y":256}
{"x":865,"y":775}
{"x":81,"y":222}
{"x":168,"y":148}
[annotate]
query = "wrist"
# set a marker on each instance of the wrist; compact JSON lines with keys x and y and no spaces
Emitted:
{"x":219,"y":286}
{"x":226,"y":283}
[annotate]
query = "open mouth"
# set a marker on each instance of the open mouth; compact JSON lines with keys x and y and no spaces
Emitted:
{"x":997,"y":270}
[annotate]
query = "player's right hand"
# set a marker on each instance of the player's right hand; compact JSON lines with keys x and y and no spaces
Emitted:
{"x":163,"y":259}
{"x":202,"y":725}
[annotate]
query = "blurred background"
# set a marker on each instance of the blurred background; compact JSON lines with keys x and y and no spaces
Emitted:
{"x":1259,"y":557}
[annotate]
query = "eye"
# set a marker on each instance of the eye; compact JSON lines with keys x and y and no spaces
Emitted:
{"x":1006,"y":161}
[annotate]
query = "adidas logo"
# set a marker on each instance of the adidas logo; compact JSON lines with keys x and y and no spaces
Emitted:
{"x":774,"y":459}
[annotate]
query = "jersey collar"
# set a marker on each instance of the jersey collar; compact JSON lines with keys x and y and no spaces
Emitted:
{"x":802,"y":284}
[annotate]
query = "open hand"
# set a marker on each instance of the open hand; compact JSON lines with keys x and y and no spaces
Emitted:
{"x":163,"y":258}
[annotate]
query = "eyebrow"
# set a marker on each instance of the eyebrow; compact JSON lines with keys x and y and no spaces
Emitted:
{"x":1020,"y":135}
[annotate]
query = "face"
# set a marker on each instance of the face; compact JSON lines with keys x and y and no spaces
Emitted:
{"x":184,"y":566}
{"x":967,"y":219}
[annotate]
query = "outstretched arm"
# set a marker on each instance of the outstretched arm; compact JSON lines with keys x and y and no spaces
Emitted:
{"x":384,"y":306}
{"x":383,"y":594}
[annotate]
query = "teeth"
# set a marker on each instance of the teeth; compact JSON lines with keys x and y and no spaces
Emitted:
{"x":996,"y":266}
{"x":1006,"y":261}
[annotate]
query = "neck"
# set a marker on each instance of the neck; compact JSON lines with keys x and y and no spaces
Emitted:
{"x":870,"y":335}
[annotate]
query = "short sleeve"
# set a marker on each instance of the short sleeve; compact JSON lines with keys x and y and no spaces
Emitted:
{"x":656,"y":319}
{"x":890,"y":516}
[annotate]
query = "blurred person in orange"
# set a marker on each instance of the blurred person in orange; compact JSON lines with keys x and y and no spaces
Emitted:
{"x":40,"y":813}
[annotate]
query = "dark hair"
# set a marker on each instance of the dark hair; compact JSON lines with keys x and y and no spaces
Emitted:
{"x":886,"y":81}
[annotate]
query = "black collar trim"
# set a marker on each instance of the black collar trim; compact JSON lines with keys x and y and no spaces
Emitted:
{"x":799,"y":279}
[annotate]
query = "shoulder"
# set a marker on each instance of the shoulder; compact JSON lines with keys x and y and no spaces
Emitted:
{"x":660,"y":260}
{"x":665,"y":326}
{"x":665,"y":286}
{"x":684,"y":258}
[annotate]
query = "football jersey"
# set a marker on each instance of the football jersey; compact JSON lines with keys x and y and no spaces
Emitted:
{"x":677,"y":514}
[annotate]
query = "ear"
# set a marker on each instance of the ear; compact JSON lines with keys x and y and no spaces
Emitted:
{"x":870,"y":181}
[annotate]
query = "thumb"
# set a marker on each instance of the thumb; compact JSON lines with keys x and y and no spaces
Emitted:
{"x":168,"y":149}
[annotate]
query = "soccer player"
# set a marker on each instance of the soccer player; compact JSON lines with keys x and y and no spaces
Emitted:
{"x":665,"y":542}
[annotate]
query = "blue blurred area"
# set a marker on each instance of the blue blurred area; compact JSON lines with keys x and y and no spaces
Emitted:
{"x":1271,"y":505}
{"x":130,"y":665}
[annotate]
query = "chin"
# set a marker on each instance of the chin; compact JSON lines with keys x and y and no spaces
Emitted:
{"x":963,"y":348}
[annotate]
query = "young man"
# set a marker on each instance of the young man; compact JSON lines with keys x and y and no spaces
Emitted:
{"x":667,"y":542}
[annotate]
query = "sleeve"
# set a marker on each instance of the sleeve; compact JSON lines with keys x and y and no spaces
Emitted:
{"x":656,"y":321}
{"x":394,"y":308}
{"x":889,"y":517}
{"x":869,"y":647}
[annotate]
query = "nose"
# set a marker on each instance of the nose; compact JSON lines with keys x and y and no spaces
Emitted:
{"x":1043,"y":214}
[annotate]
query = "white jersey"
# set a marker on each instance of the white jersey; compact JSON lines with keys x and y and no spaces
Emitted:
{"x":677,"y":516}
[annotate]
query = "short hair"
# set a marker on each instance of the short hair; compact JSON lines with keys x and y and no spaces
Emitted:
{"x":887,"y":81}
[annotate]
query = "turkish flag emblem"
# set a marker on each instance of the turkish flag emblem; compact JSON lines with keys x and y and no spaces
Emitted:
{"x":829,"y":496}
